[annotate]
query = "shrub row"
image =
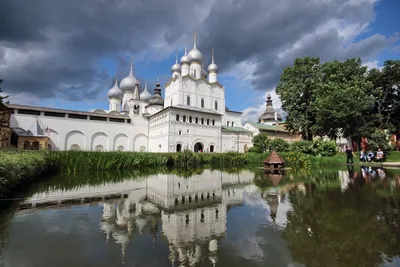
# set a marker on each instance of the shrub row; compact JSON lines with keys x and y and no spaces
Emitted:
{"x":315,"y":148}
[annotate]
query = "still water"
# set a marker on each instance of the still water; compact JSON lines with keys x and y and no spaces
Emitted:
{"x":346,"y":217}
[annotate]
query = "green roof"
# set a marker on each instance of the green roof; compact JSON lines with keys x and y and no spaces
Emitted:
{"x":235,"y":129}
{"x":266,"y":127}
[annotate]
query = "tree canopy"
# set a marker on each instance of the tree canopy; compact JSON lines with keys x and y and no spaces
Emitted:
{"x":323,"y":99}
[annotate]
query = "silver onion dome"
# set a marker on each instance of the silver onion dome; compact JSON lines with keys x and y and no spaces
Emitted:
{"x":115,"y":92}
{"x":176,"y":66}
{"x":145,"y":95}
{"x":185,"y":59}
{"x":213,"y":67}
{"x":195,"y":55}
{"x":129,"y":82}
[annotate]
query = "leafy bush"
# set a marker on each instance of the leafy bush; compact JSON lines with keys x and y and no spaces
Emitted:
{"x":261,"y":141}
{"x":379,"y":139}
{"x":278,"y":144}
{"x":324,"y":148}
{"x":304,"y":146}
{"x":254,"y":150}
{"x":297,"y":160}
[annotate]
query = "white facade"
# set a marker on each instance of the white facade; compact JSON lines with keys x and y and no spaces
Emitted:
{"x":192,"y":116}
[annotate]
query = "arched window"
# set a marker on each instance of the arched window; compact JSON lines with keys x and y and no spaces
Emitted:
{"x":194,"y":73}
{"x":180,"y":132}
{"x":233,"y":123}
{"x":213,"y":122}
{"x":202,"y":102}
{"x":188,"y":100}
{"x":197,"y":120}
{"x":177,"y":117}
{"x":227,"y":123}
{"x":184,"y":118}
{"x":216,"y":105}
{"x":190,"y":119}
{"x":208,"y":121}
{"x":202,"y":121}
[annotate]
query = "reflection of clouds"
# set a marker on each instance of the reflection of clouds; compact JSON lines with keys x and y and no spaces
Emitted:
{"x":250,"y":248}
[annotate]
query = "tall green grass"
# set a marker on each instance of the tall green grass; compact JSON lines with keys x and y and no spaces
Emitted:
{"x":72,"y":161}
{"x":19,"y":166}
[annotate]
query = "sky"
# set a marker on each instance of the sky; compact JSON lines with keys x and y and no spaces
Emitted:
{"x":66,"y":54}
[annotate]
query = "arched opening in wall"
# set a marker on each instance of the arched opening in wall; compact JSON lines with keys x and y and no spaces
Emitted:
{"x":99,"y":148}
{"x":213,"y":122}
{"x":202,"y":121}
{"x":202,"y":102}
{"x":74,"y":147}
{"x":35,"y":145}
{"x":227,"y":124}
{"x":142,"y":149}
{"x":198,"y":147}
{"x":233,"y":123}
{"x":190,"y":119}
{"x":184,"y":118}
{"x":197,"y":120}
{"x":208,"y":121}
{"x":188,"y":100}
{"x":49,"y":147}
{"x":177,"y":117}
{"x":27,"y":145}
{"x":216,"y":105}
{"x":120,"y":148}
{"x":180,"y":132}
{"x":212,"y":148}
{"x":178,"y":148}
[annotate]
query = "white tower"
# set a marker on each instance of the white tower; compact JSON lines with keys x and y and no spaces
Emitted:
{"x":176,"y":68}
{"x":212,"y":70}
{"x":115,"y":95}
{"x":185,"y":61}
{"x":196,"y":59}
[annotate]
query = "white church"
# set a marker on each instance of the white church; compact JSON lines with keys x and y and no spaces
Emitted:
{"x":192,"y":115}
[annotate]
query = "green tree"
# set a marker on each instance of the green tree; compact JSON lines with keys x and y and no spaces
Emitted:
{"x":261,"y":141}
{"x":2,"y":97}
{"x":386,"y":90}
{"x":297,"y":89}
{"x":344,"y":100}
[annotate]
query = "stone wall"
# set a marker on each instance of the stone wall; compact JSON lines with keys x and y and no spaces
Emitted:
{"x":5,"y":130}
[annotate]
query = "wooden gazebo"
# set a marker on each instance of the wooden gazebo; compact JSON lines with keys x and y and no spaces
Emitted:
{"x":274,"y":161}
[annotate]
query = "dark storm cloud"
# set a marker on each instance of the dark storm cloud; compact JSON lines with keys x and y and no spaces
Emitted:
{"x":54,"y":47}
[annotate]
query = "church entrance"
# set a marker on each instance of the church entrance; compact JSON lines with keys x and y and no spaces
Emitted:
{"x":212,"y":148}
{"x":198,"y":147}
{"x":178,"y":148}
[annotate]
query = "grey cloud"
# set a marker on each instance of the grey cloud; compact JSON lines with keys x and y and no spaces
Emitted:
{"x":61,"y":43}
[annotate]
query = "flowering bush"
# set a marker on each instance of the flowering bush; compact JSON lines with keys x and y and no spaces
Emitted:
{"x":297,"y":160}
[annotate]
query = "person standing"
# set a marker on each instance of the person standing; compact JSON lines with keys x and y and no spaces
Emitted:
{"x":350,"y":155}
{"x":398,"y":140}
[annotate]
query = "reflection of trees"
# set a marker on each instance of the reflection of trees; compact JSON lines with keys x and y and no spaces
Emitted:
{"x":331,"y":228}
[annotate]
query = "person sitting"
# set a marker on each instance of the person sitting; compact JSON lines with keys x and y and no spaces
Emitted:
{"x":370,"y":156}
{"x":363,"y":157}
{"x":379,"y":155}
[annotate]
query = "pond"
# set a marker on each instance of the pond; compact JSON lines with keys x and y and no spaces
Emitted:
{"x":325,"y":217}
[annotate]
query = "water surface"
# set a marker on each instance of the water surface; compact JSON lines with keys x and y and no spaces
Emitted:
{"x":346,"y":217}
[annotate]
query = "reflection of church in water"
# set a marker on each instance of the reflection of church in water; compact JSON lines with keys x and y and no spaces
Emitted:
{"x":193,"y":213}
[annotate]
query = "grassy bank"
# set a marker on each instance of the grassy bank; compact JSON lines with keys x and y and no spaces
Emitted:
{"x":20,"y":166}
{"x":17,"y":167}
